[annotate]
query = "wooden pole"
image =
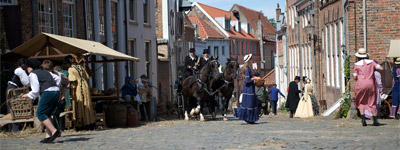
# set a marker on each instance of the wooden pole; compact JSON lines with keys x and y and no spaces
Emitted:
{"x":117,"y":80}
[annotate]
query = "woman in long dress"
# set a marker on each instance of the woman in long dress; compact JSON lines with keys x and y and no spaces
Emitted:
{"x":396,"y":90}
{"x":77,"y":75}
{"x":248,"y":111}
{"x":305,"y":108}
{"x":365,"y":89}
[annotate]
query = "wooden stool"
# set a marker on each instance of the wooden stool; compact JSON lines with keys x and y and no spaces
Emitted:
{"x":322,"y":105}
{"x":100,"y":118}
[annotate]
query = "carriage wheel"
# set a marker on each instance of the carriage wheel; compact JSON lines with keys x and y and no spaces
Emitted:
{"x":385,"y":109}
{"x":180,"y":107}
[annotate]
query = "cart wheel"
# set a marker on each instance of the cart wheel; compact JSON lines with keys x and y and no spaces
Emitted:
{"x":385,"y":109}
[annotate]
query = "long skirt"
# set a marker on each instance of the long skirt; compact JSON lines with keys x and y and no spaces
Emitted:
{"x":248,"y":110}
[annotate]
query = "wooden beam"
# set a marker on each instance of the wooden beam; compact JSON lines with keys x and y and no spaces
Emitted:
{"x":49,"y":56}
{"x":57,"y":51}
{"x":106,"y":61}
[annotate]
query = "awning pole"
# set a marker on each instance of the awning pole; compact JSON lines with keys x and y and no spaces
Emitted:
{"x":117,"y":80}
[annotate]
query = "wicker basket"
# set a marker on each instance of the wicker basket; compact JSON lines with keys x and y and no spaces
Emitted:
{"x":20,"y":108}
{"x":259,"y":82}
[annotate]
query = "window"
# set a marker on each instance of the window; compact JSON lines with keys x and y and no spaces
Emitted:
{"x":102,"y":18}
{"x":337,"y":57}
{"x":148,"y":59}
{"x":331,"y":56}
{"x":132,"y":9}
{"x":327,"y":57}
{"x":114,"y":24}
{"x":223,"y":50}
{"x":68,"y":15}
{"x":243,"y":48}
{"x":215,"y":51}
{"x":89,"y":17}
{"x":131,"y":52}
{"x":46,"y":16}
{"x":209,"y":48}
{"x":7,"y":2}
{"x":227,"y":24}
{"x":237,"y":48}
{"x":246,"y":43}
{"x":146,"y":11}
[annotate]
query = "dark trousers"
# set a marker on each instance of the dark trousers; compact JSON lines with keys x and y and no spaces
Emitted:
{"x":274,"y":104}
{"x":144,"y":105}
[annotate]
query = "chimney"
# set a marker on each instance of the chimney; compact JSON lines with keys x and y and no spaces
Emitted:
{"x":278,"y":13}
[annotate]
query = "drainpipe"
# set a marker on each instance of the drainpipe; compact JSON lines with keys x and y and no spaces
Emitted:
{"x":365,"y":25}
{"x":33,"y":18}
{"x":126,"y":37}
{"x":315,"y":53}
{"x":299,"y":48}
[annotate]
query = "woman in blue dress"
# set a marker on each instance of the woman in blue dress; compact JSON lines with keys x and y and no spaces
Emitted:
{"x":248,"y":111}
{"x":396,"y":90}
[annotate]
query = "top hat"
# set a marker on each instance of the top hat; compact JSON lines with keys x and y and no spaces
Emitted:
{"x":297,"y":78}
{"x":206,"y":51}
{"x":362,"y":53}
{"x":191,"y":50}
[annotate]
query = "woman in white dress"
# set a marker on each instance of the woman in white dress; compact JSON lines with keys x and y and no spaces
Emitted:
{"x":305,"y":109}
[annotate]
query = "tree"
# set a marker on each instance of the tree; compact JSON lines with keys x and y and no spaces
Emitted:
{"x":272,"y":21}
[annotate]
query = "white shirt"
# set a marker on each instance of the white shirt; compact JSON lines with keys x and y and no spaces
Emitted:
{"x":35,"y":92}
{"x":23,"y":77}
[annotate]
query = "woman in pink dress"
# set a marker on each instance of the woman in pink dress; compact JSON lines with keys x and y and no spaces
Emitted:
{"x":365,"y":89}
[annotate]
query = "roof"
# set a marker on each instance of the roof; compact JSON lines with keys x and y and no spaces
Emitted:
{"x":253,"y":17}
{"x":216,"y":12}
{"x":62,"y":45}
{"x":203,"y":29}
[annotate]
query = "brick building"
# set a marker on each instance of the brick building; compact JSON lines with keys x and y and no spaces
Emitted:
{"x":281,"y":70}
{"x":382,"y":25}
{"x":255,"y":22}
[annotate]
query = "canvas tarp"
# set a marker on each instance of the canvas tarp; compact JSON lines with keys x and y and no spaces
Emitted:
{"x":67,"y":45}
{"x":394,"y":50}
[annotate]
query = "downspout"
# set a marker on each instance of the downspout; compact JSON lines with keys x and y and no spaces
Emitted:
{"x":365,"y":25}
{"x":126,"y":37}
{"x":315,"y":53}
{"x":33,"y":18}
{"x":85,"y":18}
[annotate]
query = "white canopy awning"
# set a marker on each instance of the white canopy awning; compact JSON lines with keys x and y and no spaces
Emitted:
{"x":394,"y":50}
{"x":47,"y":45}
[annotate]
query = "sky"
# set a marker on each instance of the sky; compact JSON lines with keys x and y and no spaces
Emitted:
{"x":268,"y":7}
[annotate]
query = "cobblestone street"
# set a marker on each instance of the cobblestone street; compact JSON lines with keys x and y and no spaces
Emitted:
{"x":271,"y":132}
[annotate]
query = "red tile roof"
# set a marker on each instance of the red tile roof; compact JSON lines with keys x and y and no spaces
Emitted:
{"x":203,"y":29}
{"x":253,"y":16}
{"x":216,"y":12}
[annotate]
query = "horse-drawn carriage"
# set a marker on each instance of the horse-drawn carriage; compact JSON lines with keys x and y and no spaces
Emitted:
{"x":204,"y":88}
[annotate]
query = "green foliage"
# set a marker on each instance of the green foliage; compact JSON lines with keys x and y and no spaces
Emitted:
{"x":283,"y":108}
{"x":346,"y":103}
{"x":272,"y":21}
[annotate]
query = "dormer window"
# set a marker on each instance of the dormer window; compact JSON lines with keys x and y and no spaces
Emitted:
{"x":236,"y":14}
{"x":228,"y":24}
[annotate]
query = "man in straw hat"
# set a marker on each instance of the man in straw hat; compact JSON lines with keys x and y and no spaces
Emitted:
{"x":365,"y":89}
{"x":396,"y":90}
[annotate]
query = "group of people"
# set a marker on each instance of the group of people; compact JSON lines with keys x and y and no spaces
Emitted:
{"x":55,"y":85}
{"x":140,"y":93}
{"x":304,"y":106}
{"x":193,"y":63}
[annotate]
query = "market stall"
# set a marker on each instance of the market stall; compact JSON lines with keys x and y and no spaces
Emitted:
{"x":56,"y":47}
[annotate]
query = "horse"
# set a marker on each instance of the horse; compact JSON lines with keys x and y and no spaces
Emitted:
{"x":226,"y":84}
{"x":195,"y":87}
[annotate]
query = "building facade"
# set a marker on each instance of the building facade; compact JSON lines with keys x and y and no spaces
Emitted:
{"x":281,"y":59}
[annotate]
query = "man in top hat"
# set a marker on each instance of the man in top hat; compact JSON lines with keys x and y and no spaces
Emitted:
{"x":293,"y":96}
{"x":191,"y":63}
{"x":205,"y":59}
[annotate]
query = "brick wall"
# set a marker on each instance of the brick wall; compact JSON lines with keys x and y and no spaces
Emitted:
{"x":383,"y":25}
{"x":159,"y":27}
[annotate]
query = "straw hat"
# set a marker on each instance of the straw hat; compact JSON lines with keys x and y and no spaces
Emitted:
{"x":362,"y":53}
{"x":397,"y":62}
{"x":247,"y":57}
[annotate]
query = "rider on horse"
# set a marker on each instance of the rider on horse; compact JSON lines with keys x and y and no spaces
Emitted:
{"x":191,"y":63}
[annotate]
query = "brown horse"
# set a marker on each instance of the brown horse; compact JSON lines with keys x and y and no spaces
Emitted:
{"x":226,"y":85}
{"x":195,"y":87}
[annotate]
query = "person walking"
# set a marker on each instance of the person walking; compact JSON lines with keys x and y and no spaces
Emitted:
{"x":365,"y":88}
{"x":396,"y":90}
{"x":145,"y":97}
{"x":293,"y":96}
{"x":260,"y":93}
{"x":248,"y":111}
{"x":44,"y":84}
{"x":378,"y":79}
{"x":274,"y":97}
